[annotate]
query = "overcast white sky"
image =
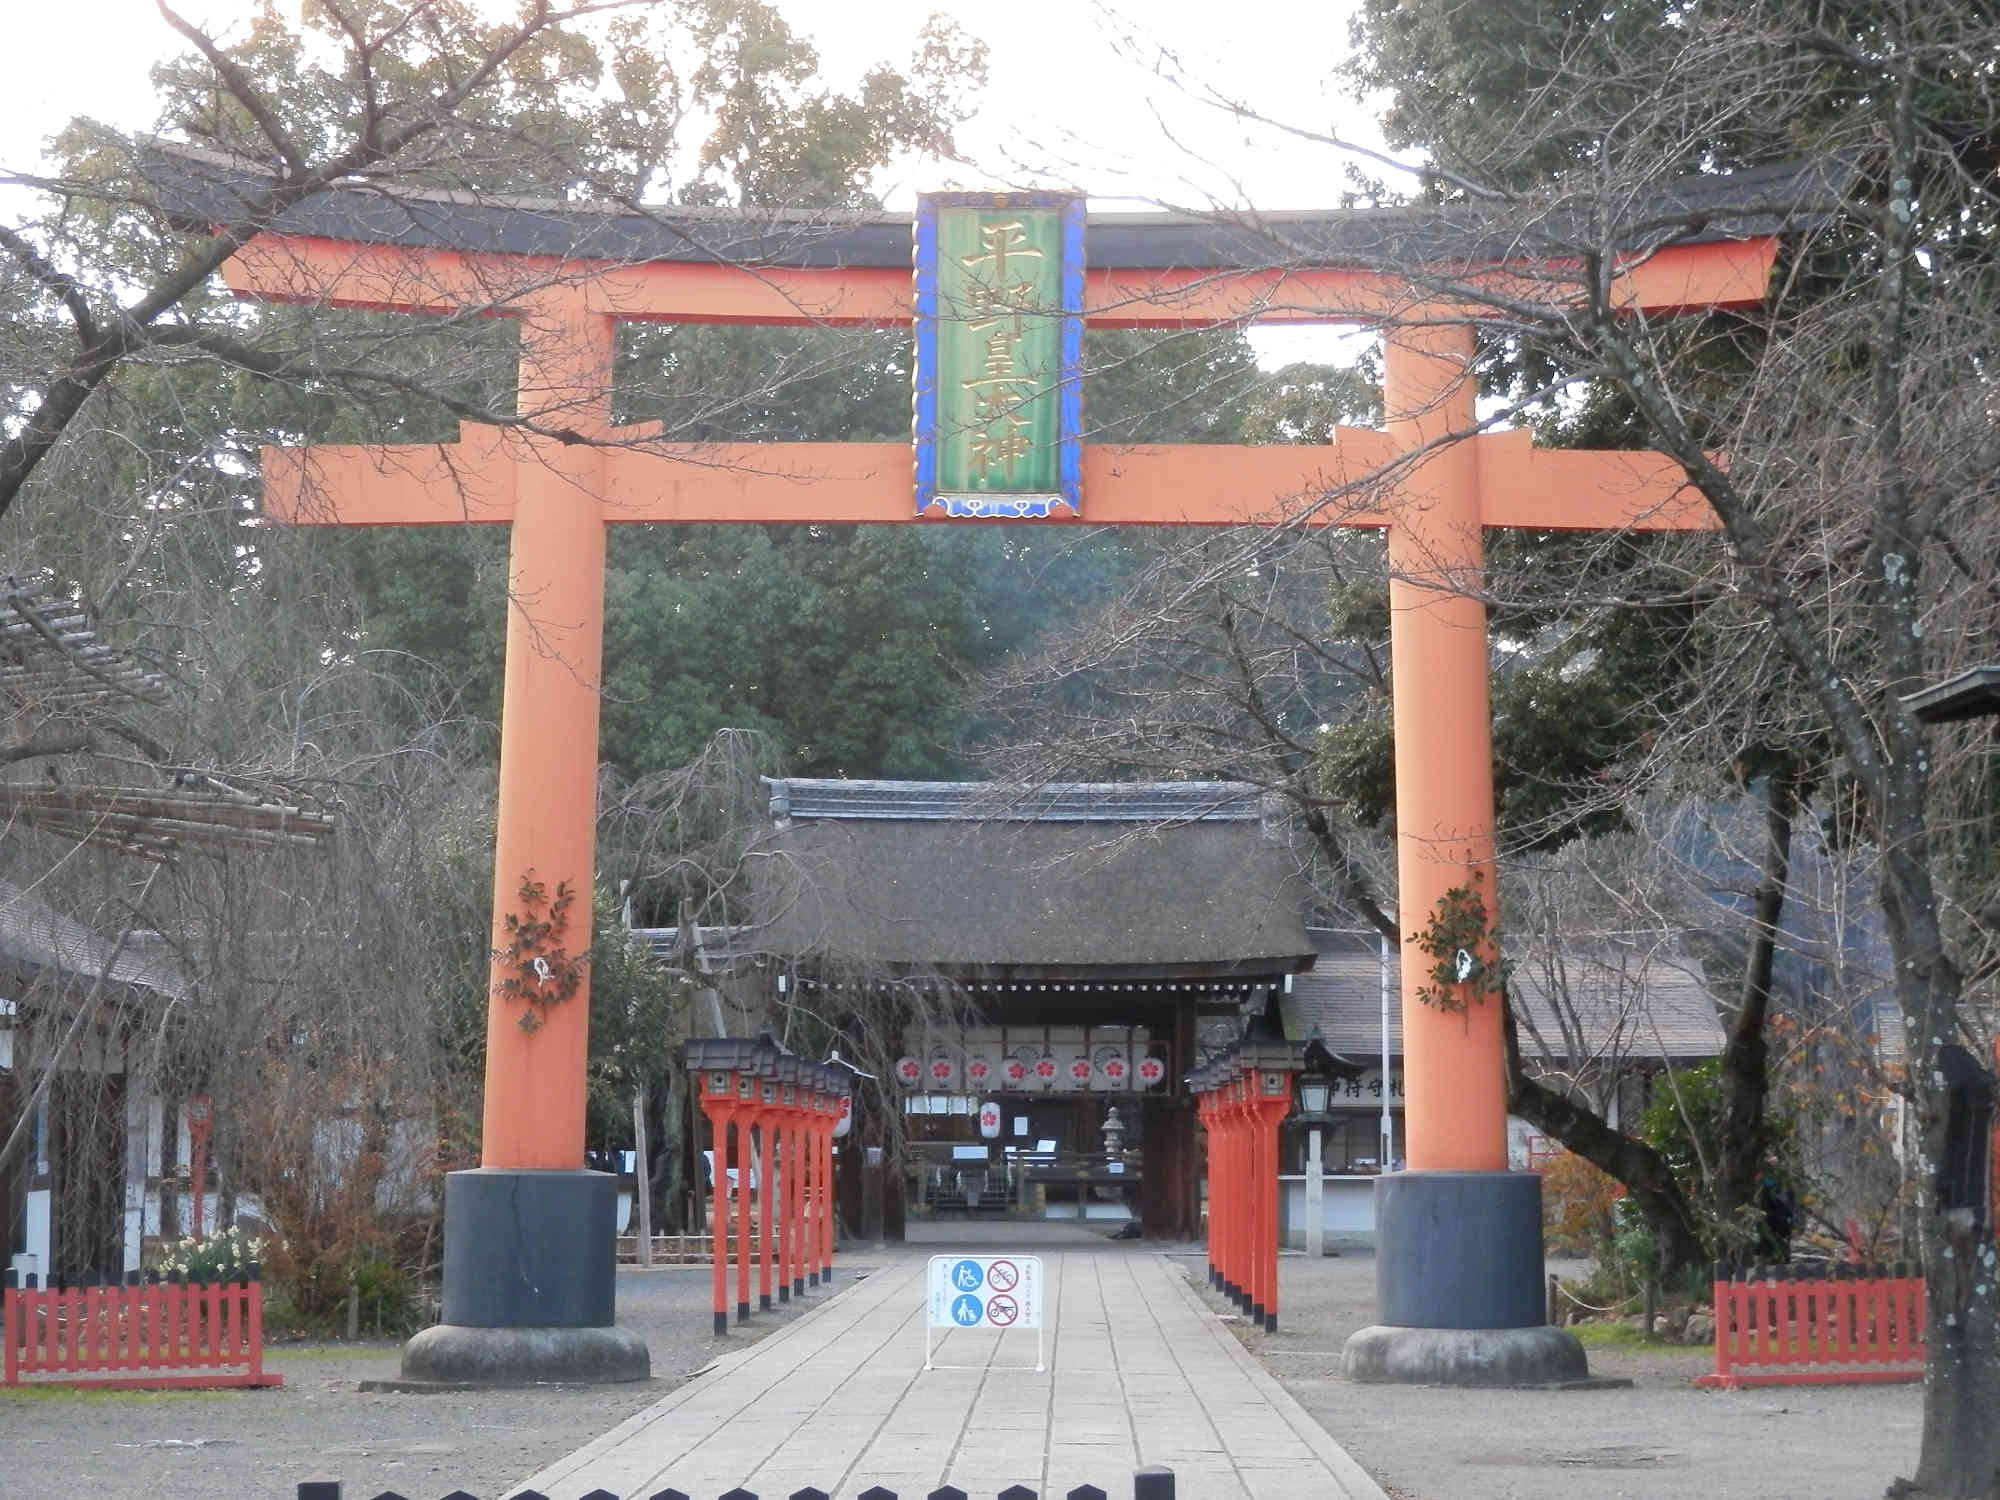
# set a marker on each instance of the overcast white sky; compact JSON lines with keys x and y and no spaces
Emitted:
{"x":1076,"y":92}
{"x":1104,"y":97}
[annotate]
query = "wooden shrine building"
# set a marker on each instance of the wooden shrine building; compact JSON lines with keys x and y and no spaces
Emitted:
{"x":1075,"y":934}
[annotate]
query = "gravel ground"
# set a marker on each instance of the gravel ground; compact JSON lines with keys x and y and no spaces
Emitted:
{"x":257,"y":1445}
{"x":1660,"y":1440}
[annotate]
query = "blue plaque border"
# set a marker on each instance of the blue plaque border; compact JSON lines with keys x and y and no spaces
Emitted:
{"x":1069,"y":375}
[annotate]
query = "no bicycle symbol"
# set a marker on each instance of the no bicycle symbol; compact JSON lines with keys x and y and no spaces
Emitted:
{"x":990,"y":1294}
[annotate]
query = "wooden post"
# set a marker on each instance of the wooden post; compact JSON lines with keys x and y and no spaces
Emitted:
{"x":744,"y":1167}
{"x":767,"y":1197}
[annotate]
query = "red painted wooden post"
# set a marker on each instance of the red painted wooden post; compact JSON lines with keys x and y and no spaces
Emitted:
{"x":256,"y":1291}
{"x":66,"y":1326}
{"x":1239,"y":1180}
{"x":810,"y":1183}
{"x":808,"y":1188}
{"x":1222,"y":1208}
{"x":798,"y":1193}
{"x":11,"y":1334}
{"x":744,"y":1167}
{"x":767,"y":1191}
{"x":1260,"y":1218}
{"x":781,"y":1184}
{"x":790,"y":1273}
{"x":718,"y":1121}
{"x":823,"y":1135}
{"x":1232,"y":1136}
{"x":821,"y":1158}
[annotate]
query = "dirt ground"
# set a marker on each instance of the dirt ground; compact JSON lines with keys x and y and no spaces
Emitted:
{"x":1662,"y":1439}
{"x":258,"y":1445}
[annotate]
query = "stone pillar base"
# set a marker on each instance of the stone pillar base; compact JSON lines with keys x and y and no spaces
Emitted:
{"x":1458,"y":1286}
{"x":453,"y":1355}
{"x":1465,"y":1356}
{"x":530,"y":1280}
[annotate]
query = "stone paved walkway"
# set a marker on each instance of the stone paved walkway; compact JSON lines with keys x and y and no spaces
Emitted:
{"x":1140,"y":1372}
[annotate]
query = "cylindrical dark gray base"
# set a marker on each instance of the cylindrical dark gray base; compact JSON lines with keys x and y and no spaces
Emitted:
{"x":530,"y":1284}
{"x":451,"y":1355}
{"x":529,"y":1249}
{"x":1465,"y":1356}
{"x":1459,"y":1250}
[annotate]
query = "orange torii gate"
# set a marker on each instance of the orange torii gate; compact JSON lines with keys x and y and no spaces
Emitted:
{"x":570,"y":277}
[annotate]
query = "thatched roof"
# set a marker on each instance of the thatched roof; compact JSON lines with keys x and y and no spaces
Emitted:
{"x":1180,"y":879}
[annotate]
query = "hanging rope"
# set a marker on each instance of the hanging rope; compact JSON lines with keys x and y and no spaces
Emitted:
{"x":1592,"y":1307}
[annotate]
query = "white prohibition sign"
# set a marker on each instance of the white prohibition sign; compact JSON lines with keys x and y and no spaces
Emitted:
{"x":976,"y":1295}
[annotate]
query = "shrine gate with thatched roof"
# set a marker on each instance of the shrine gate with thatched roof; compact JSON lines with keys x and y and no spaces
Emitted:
{"x":1075,"y":936}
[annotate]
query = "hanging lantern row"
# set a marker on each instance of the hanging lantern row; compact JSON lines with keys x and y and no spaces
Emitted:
{"x":1112,"y":1065}
{"x":774,"y":1117}
{"x":1243,"y":1096}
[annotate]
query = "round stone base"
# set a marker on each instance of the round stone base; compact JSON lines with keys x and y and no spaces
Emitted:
{"x":1465,"y":1356}
{"x":453,"y":1354}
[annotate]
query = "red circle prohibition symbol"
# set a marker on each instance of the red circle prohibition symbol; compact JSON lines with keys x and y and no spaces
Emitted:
{"x":1003,"y":1276}
{"x":1000,"y":1308}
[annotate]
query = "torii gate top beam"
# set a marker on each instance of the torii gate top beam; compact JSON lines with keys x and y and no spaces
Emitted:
{"x":1708,"y":243}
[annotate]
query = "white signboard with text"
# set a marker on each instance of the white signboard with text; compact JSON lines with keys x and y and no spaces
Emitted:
{"x":995,"y":1293}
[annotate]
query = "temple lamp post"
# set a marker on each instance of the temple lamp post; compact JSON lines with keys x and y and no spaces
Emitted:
{"x":1315,"y":1090}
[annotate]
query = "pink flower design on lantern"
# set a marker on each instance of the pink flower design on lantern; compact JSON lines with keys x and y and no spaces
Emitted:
{"x":908,"y":1069}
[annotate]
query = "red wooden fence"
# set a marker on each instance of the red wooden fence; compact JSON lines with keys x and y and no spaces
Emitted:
{"x":134,"y":1337}
{"x":1777,"y":1326}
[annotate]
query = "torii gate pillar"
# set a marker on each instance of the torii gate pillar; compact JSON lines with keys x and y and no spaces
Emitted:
{"x":1458,"y":1238}
{"x":530,"y":1253}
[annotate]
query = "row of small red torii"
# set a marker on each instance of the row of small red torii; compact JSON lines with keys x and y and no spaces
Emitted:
{"x":1244,"y":1095}
{"x":787,"y":1112}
